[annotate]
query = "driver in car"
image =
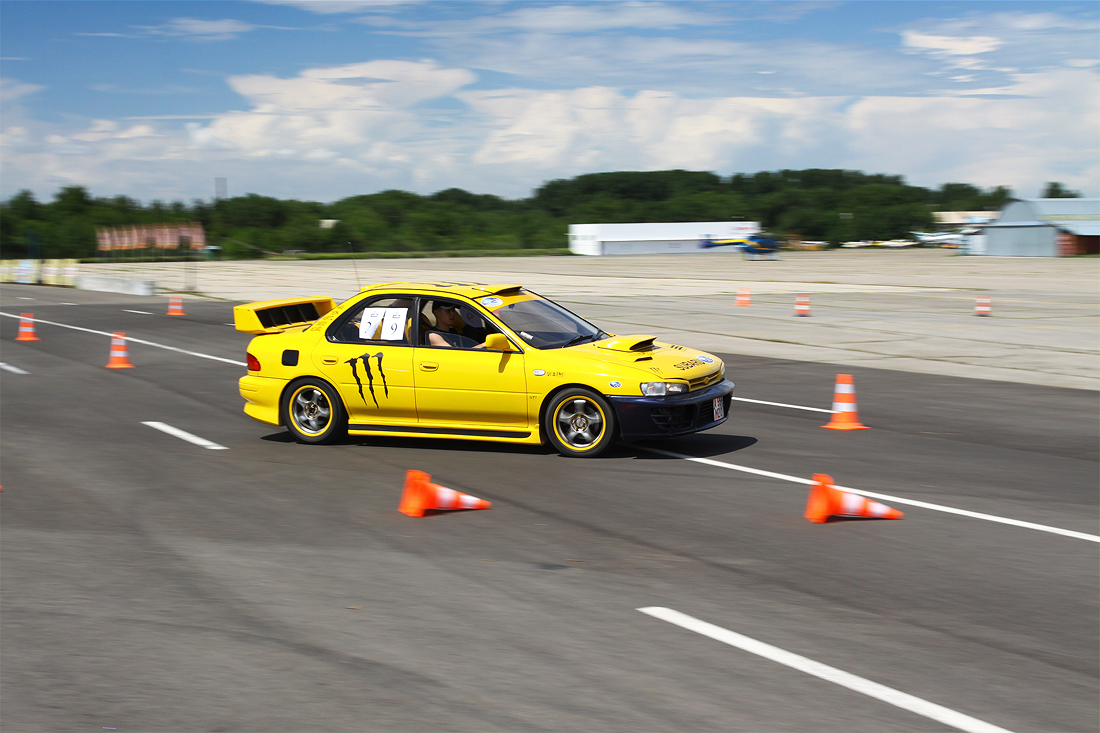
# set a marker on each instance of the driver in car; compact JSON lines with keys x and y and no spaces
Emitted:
{"x":445,"y":331}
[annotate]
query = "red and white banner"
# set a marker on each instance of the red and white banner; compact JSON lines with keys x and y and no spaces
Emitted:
{"x":140,"y":236}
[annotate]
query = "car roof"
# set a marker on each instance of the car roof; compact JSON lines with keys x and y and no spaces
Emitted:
{"x":443,"y":287}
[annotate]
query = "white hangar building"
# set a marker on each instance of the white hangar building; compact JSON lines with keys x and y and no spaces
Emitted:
{"x":1045,"y":228}
{"x":656,"y":238}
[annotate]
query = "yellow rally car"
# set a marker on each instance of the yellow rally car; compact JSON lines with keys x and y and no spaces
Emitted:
{"x":473,"y":361}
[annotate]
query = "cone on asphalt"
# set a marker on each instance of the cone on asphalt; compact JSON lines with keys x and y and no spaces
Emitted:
{"x":26,"y":328}
{"x":120,"y":357}
{"x":982,"y":307}
{"x":744,"y":297}
{"x":175,"y":306}
{"x":845,"y":410}
{"x":421,"y":496}
{"x":828,"y":501}
{"x":802,"y":305}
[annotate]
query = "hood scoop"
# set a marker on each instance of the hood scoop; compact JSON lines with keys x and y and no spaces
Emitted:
{"x":635,"y":344}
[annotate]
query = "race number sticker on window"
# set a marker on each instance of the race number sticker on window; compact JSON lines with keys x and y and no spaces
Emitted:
{"x":370,"y":321}
{"x":718,"y":412}
{"x":393,"y":324}
{"x":387,"y":324}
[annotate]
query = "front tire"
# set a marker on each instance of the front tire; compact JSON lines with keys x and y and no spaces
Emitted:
{"x":579,"y":423}
{"x":313,"y":411}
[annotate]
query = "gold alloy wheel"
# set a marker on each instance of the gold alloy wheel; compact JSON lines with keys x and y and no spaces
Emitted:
{"x":579,"y":423}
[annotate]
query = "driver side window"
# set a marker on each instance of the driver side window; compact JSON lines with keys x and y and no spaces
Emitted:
{"x":447,"y":323}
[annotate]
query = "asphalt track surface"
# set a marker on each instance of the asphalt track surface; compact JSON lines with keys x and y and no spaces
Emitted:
{"x":153,"y":584}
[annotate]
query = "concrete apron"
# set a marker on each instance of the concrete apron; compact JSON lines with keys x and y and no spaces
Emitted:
{"x":905,"y":310}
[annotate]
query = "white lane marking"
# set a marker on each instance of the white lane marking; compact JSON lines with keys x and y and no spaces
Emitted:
{"x":853,"y":682}
{"x":135,"y":340}
{"x":883,"y":497}
{"x":12,"y":369}
{"x":66,"y":303}
{"x":22,"y":298}
{"x":184,"y":435}
{"x":781,"y":404}
{"x":144,"y":313}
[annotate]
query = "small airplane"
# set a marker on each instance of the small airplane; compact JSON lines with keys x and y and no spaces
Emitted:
{"x":941,"y":239}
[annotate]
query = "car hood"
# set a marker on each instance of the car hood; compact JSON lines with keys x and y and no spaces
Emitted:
{"x":644,"y":352}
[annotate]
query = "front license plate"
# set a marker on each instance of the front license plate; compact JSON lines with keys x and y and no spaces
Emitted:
{"x":718,"y":412}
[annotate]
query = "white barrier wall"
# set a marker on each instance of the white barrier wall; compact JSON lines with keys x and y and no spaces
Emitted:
{"x":116,"y":285}
{"x":656,"y":238}
{"x":34,"y":272}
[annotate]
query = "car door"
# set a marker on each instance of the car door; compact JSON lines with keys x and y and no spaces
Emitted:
{"x":368,"y":355}
{"x":464,"y":387}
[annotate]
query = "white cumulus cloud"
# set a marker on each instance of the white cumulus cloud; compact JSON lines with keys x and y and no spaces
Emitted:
{"x":951,"y":45}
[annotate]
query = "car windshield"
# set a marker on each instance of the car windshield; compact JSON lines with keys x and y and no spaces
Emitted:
{"x":547,"y":325}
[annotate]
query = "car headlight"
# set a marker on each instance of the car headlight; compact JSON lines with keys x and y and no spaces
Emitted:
{"x":660,"y":389}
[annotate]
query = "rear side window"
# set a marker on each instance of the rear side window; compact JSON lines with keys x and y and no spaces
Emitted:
{"x":386,"y":321}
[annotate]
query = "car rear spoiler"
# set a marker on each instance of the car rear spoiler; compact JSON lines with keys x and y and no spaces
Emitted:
{"x":274,"y":316}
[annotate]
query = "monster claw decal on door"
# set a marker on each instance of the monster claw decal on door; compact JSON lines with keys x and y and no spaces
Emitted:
{"x":365,"y":358}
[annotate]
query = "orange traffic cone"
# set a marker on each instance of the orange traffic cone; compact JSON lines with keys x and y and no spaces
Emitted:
{"x":982,"y":307}
{"x":845,"y":411}
{"x":26,"y":328}
{"x":802,"y":305}
{"x":120,"y":358}
{"x":744,"y":297}
{"x":421,"y":496}
{"x":175,"y":306}
{"x":828,"y":501}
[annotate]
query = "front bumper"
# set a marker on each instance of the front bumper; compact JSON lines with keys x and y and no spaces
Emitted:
{"x":662,"y":417}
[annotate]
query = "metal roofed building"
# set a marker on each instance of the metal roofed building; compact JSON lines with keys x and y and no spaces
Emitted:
{"x":1045,"y":228}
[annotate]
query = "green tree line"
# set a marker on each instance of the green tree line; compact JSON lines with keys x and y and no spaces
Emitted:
{"x":831,"y":205}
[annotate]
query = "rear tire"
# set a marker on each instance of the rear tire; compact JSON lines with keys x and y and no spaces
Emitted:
{"x":313,"y":411}
{"x":579,"y":423}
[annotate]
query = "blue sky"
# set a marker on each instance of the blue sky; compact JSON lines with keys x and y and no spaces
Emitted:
{"x":319,"y":100}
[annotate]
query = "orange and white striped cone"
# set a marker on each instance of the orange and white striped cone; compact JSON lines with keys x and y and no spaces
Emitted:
{"x":802,"y":305}
{"x":175,"y":306}
{"x":744,"y":297}
{"x":26,"y":328}
{"x":982,"y":307}
{"x":421,"y":496}
{"x":828,"y":501}
{"x":120,"y":358}
{"x":845,"y":410}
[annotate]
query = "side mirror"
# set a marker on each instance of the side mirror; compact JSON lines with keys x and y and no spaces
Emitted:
{"x":498,"y":342}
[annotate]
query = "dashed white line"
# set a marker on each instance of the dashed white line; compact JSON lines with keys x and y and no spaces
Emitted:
{"x":184,"y":435}
{"x":882,"y":497}
{"x":144,"y":313}
{"x":783,"y":404}
{"x":134,"y":340}
{"x":22,"y":298}
{"x":853,"y":682}
{"x":12,"y":369}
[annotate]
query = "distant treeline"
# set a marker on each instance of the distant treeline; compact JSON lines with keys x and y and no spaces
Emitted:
{"x":832,"y":205}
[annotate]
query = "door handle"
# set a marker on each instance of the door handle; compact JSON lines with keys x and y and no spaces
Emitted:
{"x":429,"y":366}
{"x":328,"y":359}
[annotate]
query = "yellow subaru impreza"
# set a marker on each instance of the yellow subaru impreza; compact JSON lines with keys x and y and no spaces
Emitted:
{"x":471,"y":361}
